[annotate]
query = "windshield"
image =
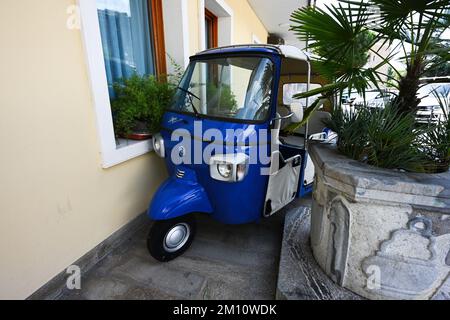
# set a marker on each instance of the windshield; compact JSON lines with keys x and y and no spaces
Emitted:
{"x":429,"y":90}
{"x":232,"y":88}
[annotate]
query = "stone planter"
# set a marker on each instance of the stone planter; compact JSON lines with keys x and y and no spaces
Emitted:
{"x":380,"y":233}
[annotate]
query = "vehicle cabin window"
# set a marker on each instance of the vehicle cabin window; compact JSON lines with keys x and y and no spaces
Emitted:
{"x":127,"y":33}
{"x":291,"y":89}
{"x":441,"y":89}
{"x":233,"y":88}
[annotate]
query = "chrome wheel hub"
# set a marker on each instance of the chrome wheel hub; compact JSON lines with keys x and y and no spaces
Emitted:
{"x":176,"y":237}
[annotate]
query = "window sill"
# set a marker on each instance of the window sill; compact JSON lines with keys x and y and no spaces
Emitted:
{"x":126,"y":150}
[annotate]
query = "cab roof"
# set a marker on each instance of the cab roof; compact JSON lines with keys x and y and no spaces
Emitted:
{"x":286,"y":51}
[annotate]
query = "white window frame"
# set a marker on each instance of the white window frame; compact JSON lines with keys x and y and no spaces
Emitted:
{"x":225,"y":21}
{"x":111,"y":153}
{"x":176,"y":26}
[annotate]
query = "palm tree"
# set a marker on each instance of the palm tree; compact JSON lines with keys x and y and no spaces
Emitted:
{"x":345,"y":35}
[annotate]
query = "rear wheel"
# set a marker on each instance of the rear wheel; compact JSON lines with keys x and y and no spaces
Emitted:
{"x":170,"y":238}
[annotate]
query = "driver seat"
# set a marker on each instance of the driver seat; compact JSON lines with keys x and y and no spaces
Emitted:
{"x":291,"y":139}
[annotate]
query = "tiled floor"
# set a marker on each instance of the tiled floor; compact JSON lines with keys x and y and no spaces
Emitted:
{"x":224,"y":262}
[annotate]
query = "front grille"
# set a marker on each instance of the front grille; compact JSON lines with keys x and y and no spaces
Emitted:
{"x":179,"y":174}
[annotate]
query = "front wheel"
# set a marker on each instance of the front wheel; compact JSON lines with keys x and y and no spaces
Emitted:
{"x":170,"y":238}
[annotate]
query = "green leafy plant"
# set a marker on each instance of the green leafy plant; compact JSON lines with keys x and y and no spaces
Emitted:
{"x":435,"y":143}
{"x":381,"y":137}
{"x":436,"y":147}
{"x":351,"y":127}
{"x":177,"y":73}
{"x":342,"y":38}
{"x":345,"y":35}
{"x":222,"y":97}
{"x":140,"y":103}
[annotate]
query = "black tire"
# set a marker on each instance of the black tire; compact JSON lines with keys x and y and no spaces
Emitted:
{"x":156,"y":240}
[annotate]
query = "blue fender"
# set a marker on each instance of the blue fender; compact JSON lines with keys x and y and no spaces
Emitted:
{"x":178,"y":197}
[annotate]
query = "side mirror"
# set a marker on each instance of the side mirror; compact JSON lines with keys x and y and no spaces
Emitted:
{"x":297,"y":112}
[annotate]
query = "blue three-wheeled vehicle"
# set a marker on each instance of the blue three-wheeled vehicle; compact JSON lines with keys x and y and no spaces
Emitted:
{"x":224,"y":142}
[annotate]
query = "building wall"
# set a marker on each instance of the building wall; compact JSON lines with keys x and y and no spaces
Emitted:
{"x":194,"y":23}
{"x":246,"y":23}
{"x":376,"y":59}
{"x":56,"y":201}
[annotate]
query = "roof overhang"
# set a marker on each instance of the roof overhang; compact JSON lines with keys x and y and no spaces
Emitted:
{"x":275,"y":16}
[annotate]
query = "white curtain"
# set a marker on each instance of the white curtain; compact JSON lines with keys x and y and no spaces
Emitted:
{"x":126,"y":38}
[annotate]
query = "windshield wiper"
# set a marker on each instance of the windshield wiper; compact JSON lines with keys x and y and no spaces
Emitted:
{"x":197,"y":114}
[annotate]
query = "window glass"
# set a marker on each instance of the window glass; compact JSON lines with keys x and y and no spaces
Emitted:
{"x":126,"y":38}
{"x":291,"y":89}
{"x":238,"y":87}
{"x":442,"y":89}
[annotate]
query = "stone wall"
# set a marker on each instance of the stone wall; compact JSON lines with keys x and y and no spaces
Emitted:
{"x":383,"y":234}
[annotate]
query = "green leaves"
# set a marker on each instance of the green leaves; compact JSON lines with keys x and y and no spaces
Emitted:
{"x":380,"y":137}
{"x":392,"y":138}
{"x":222,"y":97}
{"x":387,"y":138}
{"x":140,"y":100}
{"x":342,"y":37}
{"x":435,"y":144}
{"x":341,"y":40}
{"x":333,"y":35}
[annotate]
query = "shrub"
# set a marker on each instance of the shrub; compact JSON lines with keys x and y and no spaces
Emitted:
{"x":435,"y":144}
{"x":221,"y":97}
{"x":140,"y":99}
{"x":384,"y":138}
{"x":342,"y":36}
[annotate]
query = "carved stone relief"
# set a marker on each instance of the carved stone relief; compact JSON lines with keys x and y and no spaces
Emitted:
{"x":339,"y":240}
{"x":409,"y":266}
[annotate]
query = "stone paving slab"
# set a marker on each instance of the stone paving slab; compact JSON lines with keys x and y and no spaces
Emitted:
{"x":300,"y":277}
{"x":224,"y":262}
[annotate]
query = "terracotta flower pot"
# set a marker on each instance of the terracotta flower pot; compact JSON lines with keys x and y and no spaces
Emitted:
{"x":139,"y":132}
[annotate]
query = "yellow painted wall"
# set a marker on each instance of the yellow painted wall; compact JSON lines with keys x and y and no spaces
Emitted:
{"x":56,"y":202}
{"x":194,"y":33}
{"x":246,"y":23}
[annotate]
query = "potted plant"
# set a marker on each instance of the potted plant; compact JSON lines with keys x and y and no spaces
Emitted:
{"x":138,"y":106}
{"x":379,"y":220}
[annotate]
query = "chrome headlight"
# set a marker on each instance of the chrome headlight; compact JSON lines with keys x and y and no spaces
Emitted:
{"x":225,"y":170}
{"x":158,"y":145}
{"x":229,"y":167}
